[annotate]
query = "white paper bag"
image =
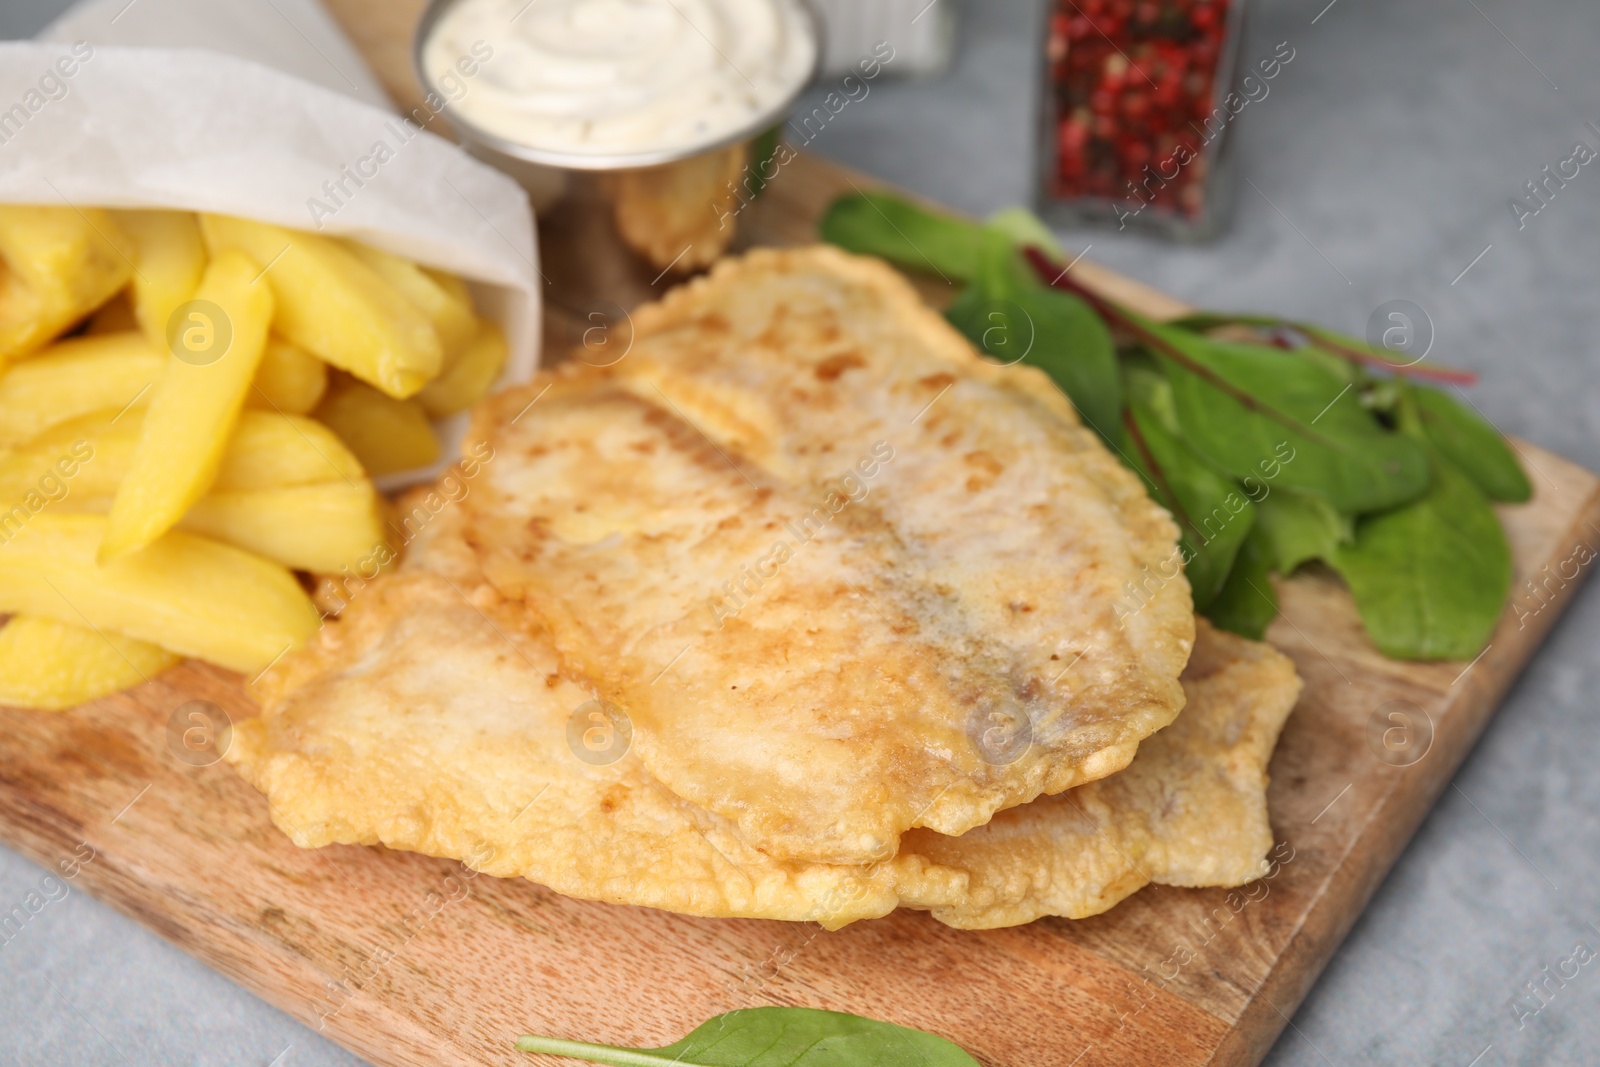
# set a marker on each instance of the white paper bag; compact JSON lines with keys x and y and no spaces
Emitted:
{"x":209,"y":125}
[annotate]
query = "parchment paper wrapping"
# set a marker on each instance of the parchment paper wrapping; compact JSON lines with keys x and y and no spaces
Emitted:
{"x":262,"y":110}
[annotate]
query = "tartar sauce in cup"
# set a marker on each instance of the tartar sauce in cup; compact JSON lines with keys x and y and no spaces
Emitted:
{"x":599,"y":83}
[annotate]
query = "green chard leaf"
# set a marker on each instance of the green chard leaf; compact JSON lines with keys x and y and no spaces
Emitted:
{"x":1258,"y":412}
{"x":882,"y":224}
{"x":1006,"y":312}
{"x":1247,"y":602}
{"x":1263,"y":453}
{"x":1211,"y":510}
{"x":1024,"y":228}
{"x":1297,"y":528}
{"x":1430,"y":578}
{"x":1012,"y":317}
{"x":1202,"y":321}
{"x":1472,"y":445}
{"x":1330,"y":347}
{"x":1358,"y":351}
{"x":776,"y":1037}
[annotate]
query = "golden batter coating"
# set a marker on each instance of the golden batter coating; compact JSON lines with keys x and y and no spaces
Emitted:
{"x":846,"y":577}
{"x":431,"y":718}
{"x":1190,"y":810}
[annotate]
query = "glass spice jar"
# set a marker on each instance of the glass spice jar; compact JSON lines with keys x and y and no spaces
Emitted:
{"x":1135,"y":116}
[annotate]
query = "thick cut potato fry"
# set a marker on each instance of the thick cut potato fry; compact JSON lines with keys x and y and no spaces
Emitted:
{"x":80,"y":458}
{"x":186,"y":593}
{"x":675,"y":214}
{"x":386,"y":434}
{"x":194,"y":407}
{"x":114,"y":316}
{"x":170,"y":259}
{"x":452,"y":317}
{"x":335,"y":306}
{"x":49,"y":665}
{"x":469,"y":375}
{"x":74,"y":378}
{"x":322,"y":528}
{"x":60,"y":263}
{"x":290,"y":380}
{"x":452,"y":284}
{"x":88,"y":457}
{"x":272,"y":451}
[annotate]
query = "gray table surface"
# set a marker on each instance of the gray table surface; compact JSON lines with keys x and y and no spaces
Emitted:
{"x":1381,"y":164}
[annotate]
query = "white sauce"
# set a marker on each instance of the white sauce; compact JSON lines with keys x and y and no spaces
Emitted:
{"x":621,"y":77}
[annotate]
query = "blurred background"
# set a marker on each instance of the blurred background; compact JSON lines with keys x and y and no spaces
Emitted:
{"x":1379,"y":164}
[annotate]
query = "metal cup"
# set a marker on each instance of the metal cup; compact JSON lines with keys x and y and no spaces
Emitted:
{"x":612,"y":227}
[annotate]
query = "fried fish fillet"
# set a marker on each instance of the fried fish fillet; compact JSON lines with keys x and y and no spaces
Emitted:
{"x":431,"y":717}
{"x":1190,"y":810}
{"x":846,"y":577}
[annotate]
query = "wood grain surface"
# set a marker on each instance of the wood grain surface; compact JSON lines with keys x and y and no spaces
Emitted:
{"x":409,"y":960}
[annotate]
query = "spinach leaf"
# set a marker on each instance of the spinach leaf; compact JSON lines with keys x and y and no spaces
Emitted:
{"x":1247,"y":602}
{"x":1297,"y":528}
{"x":1212,"y":512}
{"x":881,"y":224}
{"x":1011,"y":316}
{"x":1256,"y":414}
{"x":776,"y":1037}
{"x":1430,"y":578}
{"x":1472,"y":445}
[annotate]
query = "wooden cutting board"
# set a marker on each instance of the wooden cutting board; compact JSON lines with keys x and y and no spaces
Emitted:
{"x":409,"y":960}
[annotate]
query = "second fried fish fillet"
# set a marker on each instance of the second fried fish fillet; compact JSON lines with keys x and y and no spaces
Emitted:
{"x":846,"y":577}
{"x":1190,"y":810}
{"x":431,"y":717}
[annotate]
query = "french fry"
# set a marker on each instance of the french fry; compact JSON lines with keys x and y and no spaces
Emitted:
{"x":290,"y":380}
{"x":336,"y":307}
{"x":49,"y":665}
{"x":114,"y":316}
{"x":386,"y":434}
{"x":193,"y":408}
{"x":321,"y":528}
{"x":468,"y":377}
{"x":447,"y":307}
{"x":183,"y":592}
{"x":86,"y":458}
{"x":272,"y":451}
{"x":452,"y":284}
{"x":60,"y":264}
{"x":170,"y":260}
{"x":74,"y":460}
{"x":74,"y":378}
